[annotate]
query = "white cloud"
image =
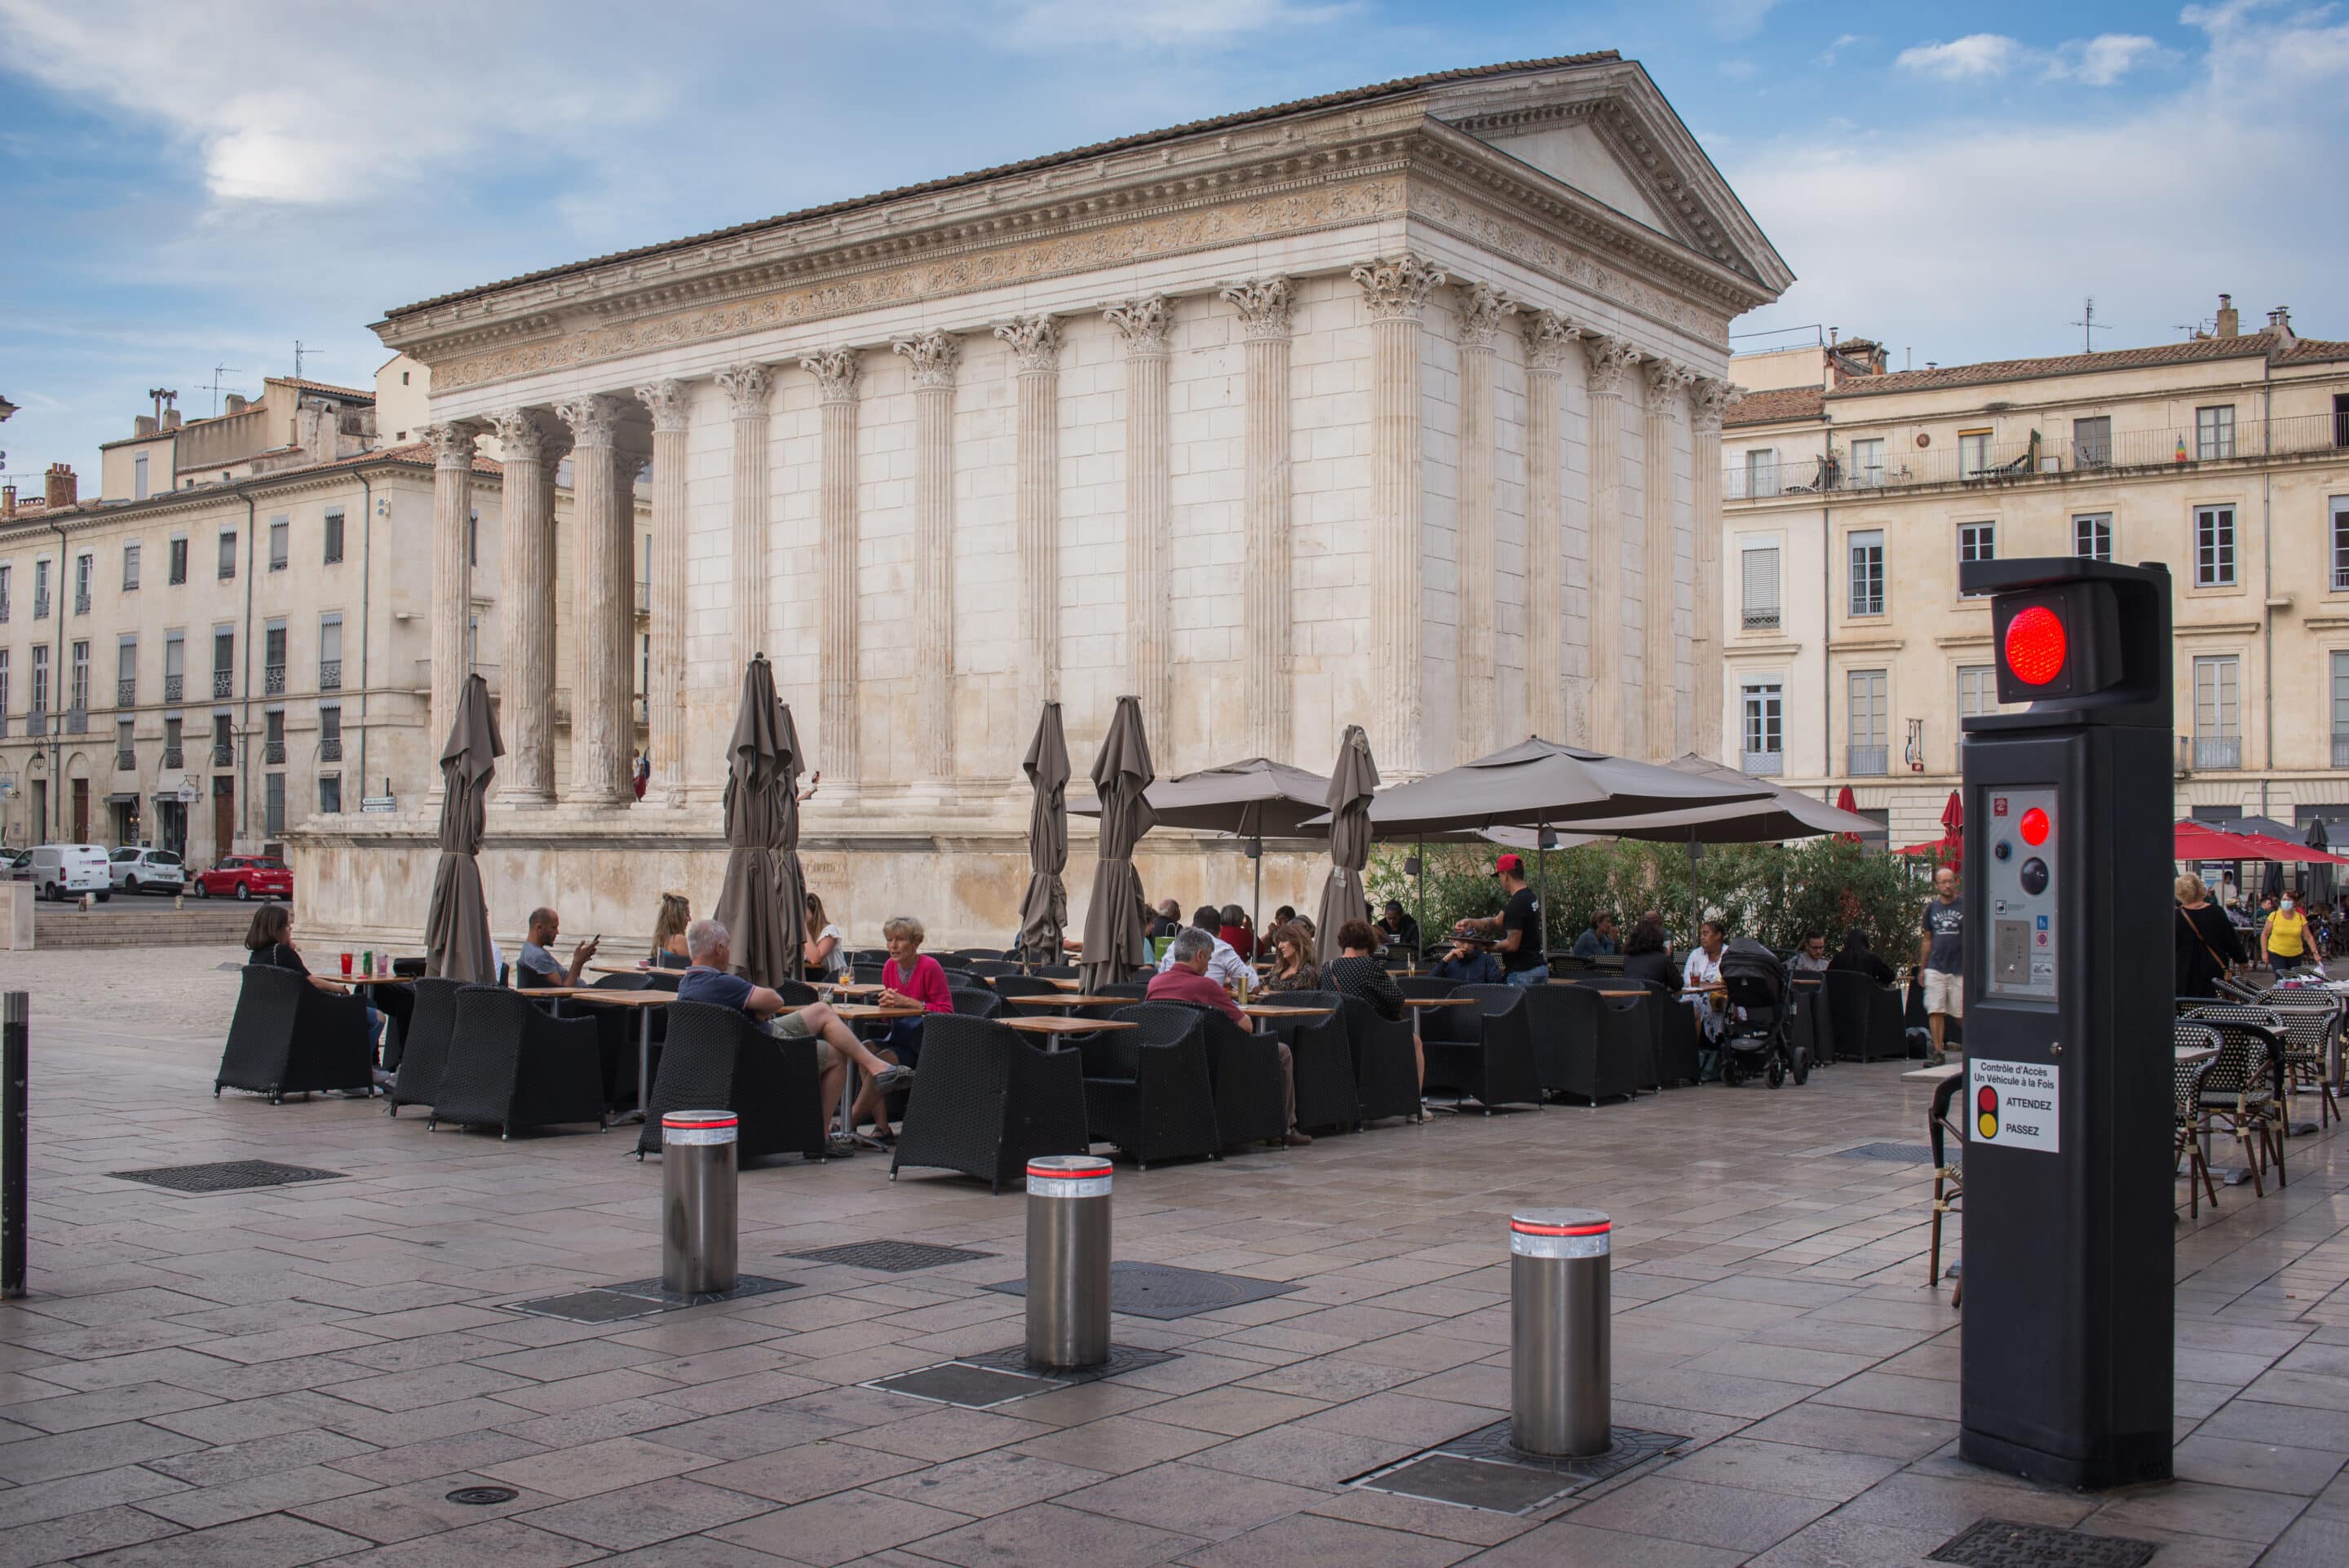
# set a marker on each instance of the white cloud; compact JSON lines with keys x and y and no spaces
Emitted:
{"x":2104,"y":59}
{"x":1975,"y":54}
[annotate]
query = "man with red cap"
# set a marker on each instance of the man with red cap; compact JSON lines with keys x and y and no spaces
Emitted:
{"x":1518,"y":926}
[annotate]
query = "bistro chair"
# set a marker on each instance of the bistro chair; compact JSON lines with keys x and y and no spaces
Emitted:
{"x":973,"y":1002}
{"x":1425,"y":987}
{"x":1865,"y":1016}
{"x":430,"y":1026}
{"x":1486,"y":1053}
{"x":1385,"y":1075}
{"x":520,"y":1067}
{"x":718,"y":1058}
{"x":1131,"y":990}
{"x":1327,"y":1094}
{"x":2188,"y":1080}
{"x":1245,"y":1070}
{"x":2312,"y":1024}
{"x":2240,"y":1093}
{"x":1007,"y":987}
{"x":1584,"y":1045}
{"x":1148,"y":1089}
{"x":288,"y":1036}
{"x":987,"y":1102}
{"x":1942,"y":1128}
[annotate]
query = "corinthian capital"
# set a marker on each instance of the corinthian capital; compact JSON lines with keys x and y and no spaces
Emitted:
{"x":1143,"y":323}
{"x":1609,"y":358}
{"x":836,"y":372}
{"x":1263,"y":304}
{"x":1666,"y":379}
{"x":1398,"y":289}
{"x":523,"y":437}
{"x":1550,"y":337}
{"x":933,"y":355}
{"x":669,"y":403}
{"x":591,"y":418}
{"x":1710,"y":399}
{"x":1482,"y":306}
{"x":453,"y":443}
{"x":746,"y":387}
{"x":1035,"y":342}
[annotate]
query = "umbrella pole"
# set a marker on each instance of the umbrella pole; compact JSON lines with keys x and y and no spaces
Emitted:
{"x":1696,"y":900}
{"x":1419,"y":884}
{"x":1541,"y":873}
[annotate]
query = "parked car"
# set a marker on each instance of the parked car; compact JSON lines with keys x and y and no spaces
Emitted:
{"x":17,"y":865}
{"x":137,"y":871}
{"x":61,"y":872}
{"x":247,"y":876}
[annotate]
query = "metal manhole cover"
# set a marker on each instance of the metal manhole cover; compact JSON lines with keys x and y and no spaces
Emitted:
{"x":1164,"y":1291}
{"x":892,"y":1257}
{"x":227,"y":1176}
{"x":1122,"y":1358}
{"x":956,"y":1383}
{"x":482,"y":1496}
{"x":744,"y":1284}
{"x":637,"y":1298}
{"x":1909,"y":1153}
{"x":1481,"y":1470}
{"x":2006,"y":1543}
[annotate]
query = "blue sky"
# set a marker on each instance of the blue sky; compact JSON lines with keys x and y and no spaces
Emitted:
{"x":194,"y":185}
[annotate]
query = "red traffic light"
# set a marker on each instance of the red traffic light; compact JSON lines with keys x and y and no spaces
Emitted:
{"x":2033,"y":827}
{"x":2035,"y":646}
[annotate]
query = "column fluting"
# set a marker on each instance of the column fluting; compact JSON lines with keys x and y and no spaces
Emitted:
{"x":837,"y":373}
{"x":1035,"y":343}
{"x":533,"y":447}
{"x":1548,"y":338}
{"x":1609,"y":359}
{"x":1659,"y":559}
{"x":933,"y":355}
{"x":1145,"y":324}
{"x":1710,"y":399}
{"x":670,"y":403}
{"x":1482,"y":309}
{"x":1266,"y":657}
{"x":1394,"y":295}
{"x":600,"y":579}
{"x":452,"y":572}
{"x":746,"y":387}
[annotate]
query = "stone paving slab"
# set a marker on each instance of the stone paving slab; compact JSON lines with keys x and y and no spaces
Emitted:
{"x":304,"y":1374}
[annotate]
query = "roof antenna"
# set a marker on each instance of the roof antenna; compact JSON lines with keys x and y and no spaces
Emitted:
{"x":2087,"y":326}
{"x":218,"y":371}
{"x":298,"y":360}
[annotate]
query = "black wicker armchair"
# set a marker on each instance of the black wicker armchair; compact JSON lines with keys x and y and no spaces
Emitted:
{"x":987,"y":1102}
{"x":1007,"y":987}
{"x":429,"y":1026}
{"x":721,"y":1059}
{"x":1584,"y":1046}
{"x":1426,"y":986}
{"x":973,"y":1002}
{"x":1485,"y":1053}
{"x":1148,"y":1088}
{"x":1386,"y":1071}
{"x":1327,"y":1094}
{"x":512,"y":1065}
{"x":288,"y":1036}
{"x":1251,"y":1099}
{"x":1865,"y":1018}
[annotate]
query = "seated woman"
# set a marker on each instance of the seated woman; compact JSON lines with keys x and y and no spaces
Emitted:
{"x":1648,"y":956}
{"x":1293,"y":968}
{"x":822,"y":953}
{"x":269,"y":941}
{"x":668,"y":933}
{"x":1361,"y":975}
{"x":910,"y":978}
{"x":1238,"y":934}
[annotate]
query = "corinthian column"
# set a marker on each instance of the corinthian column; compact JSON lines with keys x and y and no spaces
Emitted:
{"x":746,"y":387}
{"x":1658,"y":561}
{"x":1548,"y":337}
{"x":1482,"y":309}
{"x":601,"y":579}
{"x":1263,"y":304}
{"x":1394,"y":293}
{"x":1608,"y":358}
{"x":452,"y":571}
{"x":526,"y":605}
{"x":671,"y":405}
{"x":836,"y":373}
{"x":1710,"y":399}
{"x":1149,"y":509}
{"x":1035,"y":343}
{"x":933,"y":355}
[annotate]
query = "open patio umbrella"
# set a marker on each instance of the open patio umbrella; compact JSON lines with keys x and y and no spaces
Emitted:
{"x":456,"y":922}
{"x":1352,"y":785}
{"x":1254,"y":800}
{"x":2193,"y":841}
{"x":1044,"y":911}
{"x":763,"y":902}
{"x":1114,"y":921}
{"x":1541,"y":783}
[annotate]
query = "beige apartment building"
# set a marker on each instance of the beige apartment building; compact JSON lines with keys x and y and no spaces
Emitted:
{"x":1853,"y":492}
{"x":232,"y":637}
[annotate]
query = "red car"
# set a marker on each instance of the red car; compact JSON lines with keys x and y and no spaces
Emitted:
{"x":247,"y":876}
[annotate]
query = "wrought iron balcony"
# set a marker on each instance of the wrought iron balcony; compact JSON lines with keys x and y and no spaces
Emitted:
{"x":224,"y":683}
{"x":77,"y":721}
{"x":1869,"y":761}
{"x":223,"y":755}
{"x":1764,"y":764}
{"x":40,"y":606}
{"x":172,"y":686}
{"x":330,"y":675}
{"x":2214,"y":752}
{"x":2341,"y":751}
{"x":173,"y":757}
{"x":126,"y":760}
{"x":4,"y":607}
{"x":125,"y":694}
{"x":1761,"y":620}
{"x":81,"y":604}
{"x":37,"y":723}
{"x":272,"y":680}
{"x":273,"y":751}
{"x":331,"y":748}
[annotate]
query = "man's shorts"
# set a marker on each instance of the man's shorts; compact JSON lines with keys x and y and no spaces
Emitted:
{"x":790,"y":1026}
{"x":1945,"y":992}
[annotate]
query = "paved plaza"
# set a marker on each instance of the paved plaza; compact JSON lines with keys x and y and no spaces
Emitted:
{"x":304,"y":1374}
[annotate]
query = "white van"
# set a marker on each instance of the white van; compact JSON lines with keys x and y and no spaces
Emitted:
{"x":62,"y":871}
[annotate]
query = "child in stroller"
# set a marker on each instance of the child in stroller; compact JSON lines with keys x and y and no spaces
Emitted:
{"x":1755,"y":1036}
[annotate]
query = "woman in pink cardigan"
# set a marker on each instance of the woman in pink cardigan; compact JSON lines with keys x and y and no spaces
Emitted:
{"x":911,"y":978}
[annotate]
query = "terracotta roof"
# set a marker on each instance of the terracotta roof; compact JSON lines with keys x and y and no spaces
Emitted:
{"x":364,"y":395}
{"x":2193,"y":350}
{"x":413,"y":452}
{"x":2313,"y":351}
{"x":1778,"y":403}
{"x":1396,"y":88}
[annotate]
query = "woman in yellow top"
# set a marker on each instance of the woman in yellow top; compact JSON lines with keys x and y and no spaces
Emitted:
{"x":2286,"y":936}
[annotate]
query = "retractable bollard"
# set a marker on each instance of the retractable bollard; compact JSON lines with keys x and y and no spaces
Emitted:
{"x":1558,"y":1332}
{"x":698,"y":1196}
{"x":1068,"y":1260}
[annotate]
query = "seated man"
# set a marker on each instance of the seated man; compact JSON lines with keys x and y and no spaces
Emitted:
{"x":1856,"y":956}
{"x":1225,"y":967}
{"x":1184,"y":979}
{"x":539,"y":964}
{"x":1598,"y":939}
{"x":1466,"y":963}
{"x":1398,"y":929}
{"x":710,"y":980}
{"x":1811,"y":957}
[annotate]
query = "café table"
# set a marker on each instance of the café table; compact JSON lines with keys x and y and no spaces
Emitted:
{"x":1439,"y":1001}
{"x":643,"y":1002}
{"x":1066,"y":1000}
{"x":1277,"y":1010}
{"x":1053,"y":1023}
{"x":867,"y":1012}
{"x":355,"y":981}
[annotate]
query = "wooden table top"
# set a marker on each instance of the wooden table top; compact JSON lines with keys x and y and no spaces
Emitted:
{"x":852,"y":988}
{"x":602,"y":966}
{"x":1051,"y":1024}
{"x":1069,"y":999}
{"x":862,"y":1010}
{"x":599,"y":994}
{"x":1439,"y":1001}
{"x":1268,"y":1010}
{"x":1063,"y":984}
{"x":368,"y":979}
{"x":2190,"y":1054}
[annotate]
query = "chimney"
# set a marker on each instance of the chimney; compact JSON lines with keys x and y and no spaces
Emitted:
{"x":62,"y":488}
{"x":2280,"y":323}
{"x":236,"y":402}
{"x":142,"y":426}
{"x":2231,"y":323}
{"x":8,"y":501}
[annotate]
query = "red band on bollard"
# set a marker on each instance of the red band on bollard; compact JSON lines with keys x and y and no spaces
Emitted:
{"x":1524,"y":1229}
{"x":1071,"y":1172}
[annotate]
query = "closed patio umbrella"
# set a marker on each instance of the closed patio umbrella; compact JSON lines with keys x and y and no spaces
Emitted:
{"x":2320,"y":878}
{"x":1044,"y":911}
{"x":1353,"y":783}
{"x":456,"y":922}
{"x":763,"y":902}
{"x":1114,"y":920}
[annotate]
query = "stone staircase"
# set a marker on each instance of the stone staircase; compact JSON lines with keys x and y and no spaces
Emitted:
{"x":147,"y":921}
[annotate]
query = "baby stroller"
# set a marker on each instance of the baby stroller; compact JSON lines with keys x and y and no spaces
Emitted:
{"x":1755,"y":1037}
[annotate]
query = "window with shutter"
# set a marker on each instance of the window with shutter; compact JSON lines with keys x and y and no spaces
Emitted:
{"x":1760,"y":600}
